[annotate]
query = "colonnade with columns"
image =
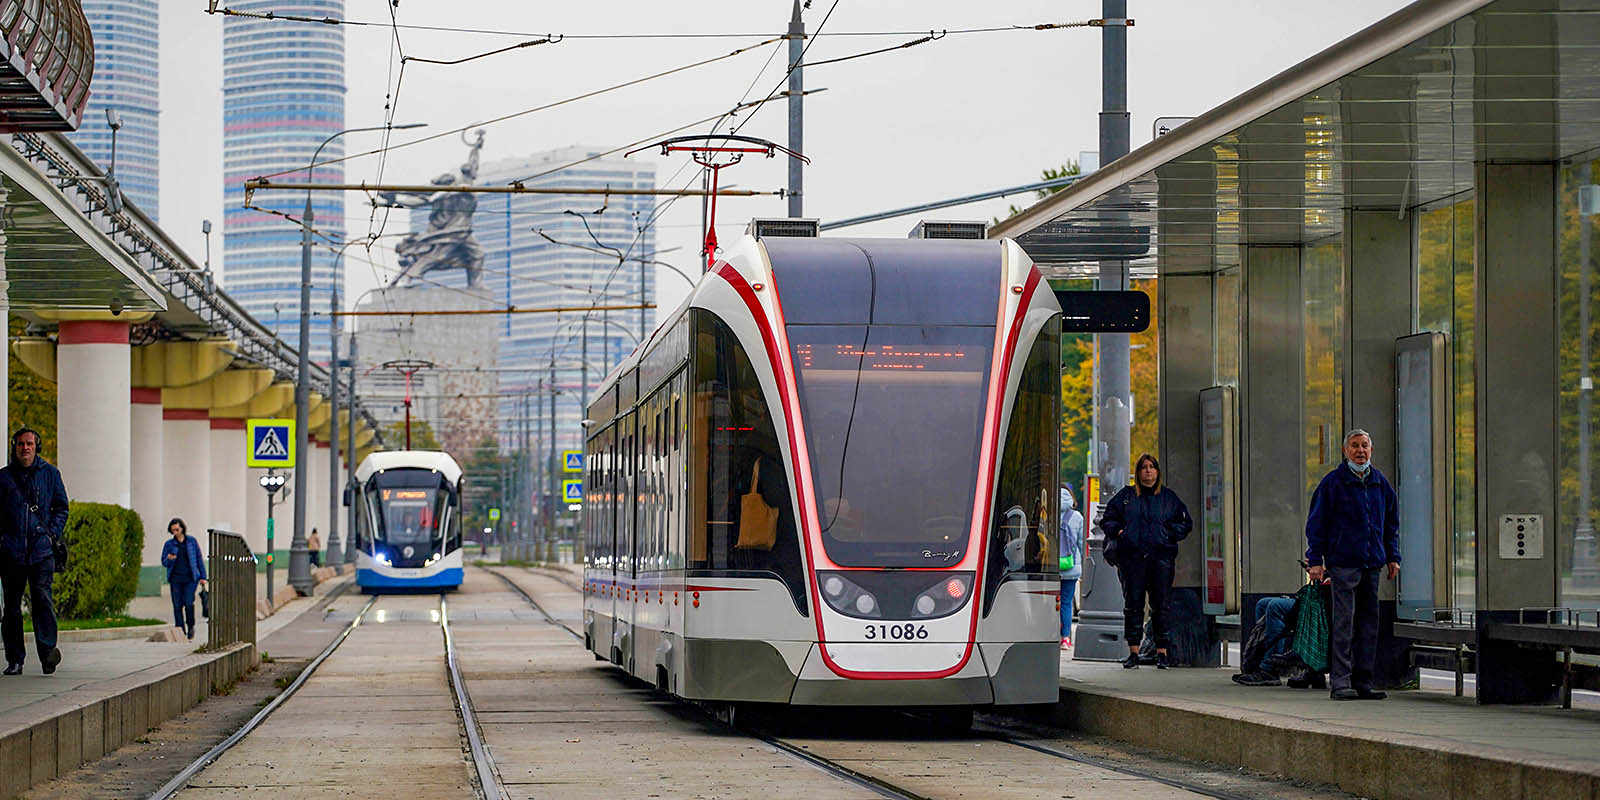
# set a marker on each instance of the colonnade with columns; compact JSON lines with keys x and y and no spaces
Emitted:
{"x":160,"y":428}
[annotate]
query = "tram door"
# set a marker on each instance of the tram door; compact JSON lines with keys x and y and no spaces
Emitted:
{"x":1422,"y":472}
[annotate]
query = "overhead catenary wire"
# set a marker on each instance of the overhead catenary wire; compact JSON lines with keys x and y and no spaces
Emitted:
{"x":276,"y":17}
{"x":544,"y":107}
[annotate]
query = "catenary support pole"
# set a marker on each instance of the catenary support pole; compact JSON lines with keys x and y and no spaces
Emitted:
{"x":1100,"y":628}
{"x":797,"y":38}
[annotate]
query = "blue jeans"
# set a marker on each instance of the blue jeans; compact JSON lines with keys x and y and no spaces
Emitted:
{"x":183,"y":605}
{"x":1275,"y":612}
{"x":1069,"y":589}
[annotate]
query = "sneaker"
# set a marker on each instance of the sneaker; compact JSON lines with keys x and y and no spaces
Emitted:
{"x":190,"y":632}
{"x":1163,"y":661}
{"x":1255,"y":679}
{"x":1131,"y":662}
{"x":1066,"y":643}
{"x":13,"y":669}
{"x":1371,"y":694}
{"x":50,"y":660}
{"x":1345,"y":693}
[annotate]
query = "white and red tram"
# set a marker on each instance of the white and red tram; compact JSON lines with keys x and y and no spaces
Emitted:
{"x":829,"y":478}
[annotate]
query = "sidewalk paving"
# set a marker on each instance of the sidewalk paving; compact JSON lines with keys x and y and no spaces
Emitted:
{"x":1415,"y":739}
{"x":85,"y":664}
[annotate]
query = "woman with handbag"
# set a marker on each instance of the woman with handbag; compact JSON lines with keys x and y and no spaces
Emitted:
{"x":185,"y":569}
{"x":1143,"y":524}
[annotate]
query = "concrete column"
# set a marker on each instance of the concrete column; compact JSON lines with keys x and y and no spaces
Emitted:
{"x":186,"y":463}
{"x":1517,"y":342}
{"x":147,"y":459}
{"x":92,"y":411}
{"x":316,"y":462}
{"x":1271,"y":385}
{"x":227,"y":441}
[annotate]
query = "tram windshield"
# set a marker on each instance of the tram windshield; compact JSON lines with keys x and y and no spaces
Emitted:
{"x":408,"y":512}
{"x":893,"y":416}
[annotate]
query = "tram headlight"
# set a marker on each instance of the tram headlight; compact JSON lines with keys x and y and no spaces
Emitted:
{"x":945,"y":596}
{"x":382,"y":558}
{"x":431,"y":559}
{"x":845,"y":597}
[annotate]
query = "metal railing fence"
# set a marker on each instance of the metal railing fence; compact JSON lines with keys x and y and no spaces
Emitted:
{"x":232,"y":569}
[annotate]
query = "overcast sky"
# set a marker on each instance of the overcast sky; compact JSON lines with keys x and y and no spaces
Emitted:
{"x":956,"y":116}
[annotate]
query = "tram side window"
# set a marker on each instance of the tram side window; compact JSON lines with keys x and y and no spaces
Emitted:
{"x":1027,"y":502}
{"x":735,"y":446}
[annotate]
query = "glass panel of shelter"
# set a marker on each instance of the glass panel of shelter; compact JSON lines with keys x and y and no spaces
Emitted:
{"x":1445,"y":301}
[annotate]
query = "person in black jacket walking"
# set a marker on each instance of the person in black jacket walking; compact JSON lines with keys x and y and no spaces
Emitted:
{"x":33,"y":516}
{"x":1147,"y":520}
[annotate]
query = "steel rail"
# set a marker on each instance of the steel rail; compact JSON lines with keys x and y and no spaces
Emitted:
{"x":536,"y":607}
{"x":481,"y":760}
{"x":1000,"y":734}
{"x":874,"y":785}
{"x":182,"y":779}
{"x":877,"y":786}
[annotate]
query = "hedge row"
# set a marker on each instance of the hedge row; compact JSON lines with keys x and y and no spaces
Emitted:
{"x":106,"y":544}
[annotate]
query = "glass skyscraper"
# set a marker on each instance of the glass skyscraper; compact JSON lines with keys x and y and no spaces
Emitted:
{"x":126,"y":78}
{"x":282,"y":96}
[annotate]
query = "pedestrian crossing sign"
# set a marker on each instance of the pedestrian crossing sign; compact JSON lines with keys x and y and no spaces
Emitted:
{"x":571,"y":460}
{"x":572,"y":491}
{"x":271,"y":443}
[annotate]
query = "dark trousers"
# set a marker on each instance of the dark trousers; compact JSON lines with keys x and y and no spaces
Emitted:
{"x":316,"y":558}
{"x":1143,"y":577}
{"x":183,"y":604}
{"x":36,"y":579}
{"x":1353,"y":645}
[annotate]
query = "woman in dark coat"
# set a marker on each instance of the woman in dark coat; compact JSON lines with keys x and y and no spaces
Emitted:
{"x":1147,"y":520}
{"x":185,"y":569}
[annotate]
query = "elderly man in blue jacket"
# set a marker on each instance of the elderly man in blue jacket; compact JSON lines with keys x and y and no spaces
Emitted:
{"x":33,"y":516}
{"x":1353,"y":530}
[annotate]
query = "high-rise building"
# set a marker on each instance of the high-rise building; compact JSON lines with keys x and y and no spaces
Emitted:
{"x":282,"y":96}
{"x":523,"y":268}
{"x":126,"y":79}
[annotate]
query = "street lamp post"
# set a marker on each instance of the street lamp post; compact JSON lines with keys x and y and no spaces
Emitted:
{"x":335,"y":555}
{"x":272,"y":482}
{"x":299,"y":557}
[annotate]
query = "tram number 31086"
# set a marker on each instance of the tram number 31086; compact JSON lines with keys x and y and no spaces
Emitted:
{"x":904,"y":633}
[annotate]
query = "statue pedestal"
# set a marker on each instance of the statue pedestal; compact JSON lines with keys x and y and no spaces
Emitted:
{"x":458,"y":399}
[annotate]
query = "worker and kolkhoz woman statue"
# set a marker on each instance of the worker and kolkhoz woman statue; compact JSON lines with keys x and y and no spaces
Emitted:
{"x":1352,"y":538}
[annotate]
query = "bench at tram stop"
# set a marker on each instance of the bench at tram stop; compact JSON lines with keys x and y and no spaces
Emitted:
{"x":1531,"y":655}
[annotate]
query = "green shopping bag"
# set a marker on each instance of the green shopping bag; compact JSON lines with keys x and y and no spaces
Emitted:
{"x":1313,"y":613}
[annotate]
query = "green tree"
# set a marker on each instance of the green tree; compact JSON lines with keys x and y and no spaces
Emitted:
{"x":422,"y":435}
{"x":32,"y":398}
{"x":1066,"y":170}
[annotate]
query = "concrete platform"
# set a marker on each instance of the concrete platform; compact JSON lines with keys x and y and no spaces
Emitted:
{"x":1416,"y":744}
{"x":108,"y":693}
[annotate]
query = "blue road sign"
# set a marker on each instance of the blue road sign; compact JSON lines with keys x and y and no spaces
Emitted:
{"x":572,"y":460}
{"x":572,"y":491}
{"x":271,"y":443}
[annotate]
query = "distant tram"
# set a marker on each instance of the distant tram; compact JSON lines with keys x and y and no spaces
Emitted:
{"x":408,"y":522}
{"x":830,"y":478}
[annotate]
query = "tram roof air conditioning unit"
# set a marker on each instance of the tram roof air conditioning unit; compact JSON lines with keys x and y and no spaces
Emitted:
{"x":803,"y":228}
{"x":948,"y":229}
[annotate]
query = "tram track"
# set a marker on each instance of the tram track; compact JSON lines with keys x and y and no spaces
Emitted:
{"x":988,"y":729}
{"x":484,"y":771}
{"x":179,"y":781}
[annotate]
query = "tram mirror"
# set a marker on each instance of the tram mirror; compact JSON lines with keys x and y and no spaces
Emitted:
{"x":1103,"y":312}
{"x":347,"y":490}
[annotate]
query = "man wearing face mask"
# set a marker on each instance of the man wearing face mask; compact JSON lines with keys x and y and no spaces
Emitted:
{"x":1352,"y":532}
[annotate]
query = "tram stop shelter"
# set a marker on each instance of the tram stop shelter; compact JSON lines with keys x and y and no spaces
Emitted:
{"x":1395,"y":234}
